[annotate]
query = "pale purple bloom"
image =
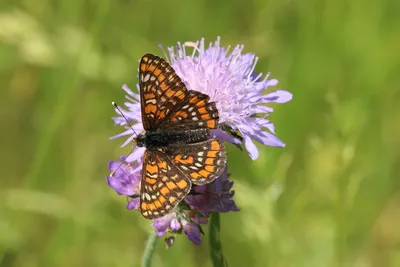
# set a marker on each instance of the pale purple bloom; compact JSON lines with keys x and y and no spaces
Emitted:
{"x":229,"y":79}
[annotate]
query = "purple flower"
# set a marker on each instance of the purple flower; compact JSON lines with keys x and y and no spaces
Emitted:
{"x":125,"y":180}
{"x":216,"y":196}
{"x":166,"y":222}
{"x":229,"y":79}
{"x":175,"y":222}
{"x":202,"y":200}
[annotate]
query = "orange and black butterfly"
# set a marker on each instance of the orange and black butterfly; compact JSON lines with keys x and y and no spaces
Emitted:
{"x":179,"y":151}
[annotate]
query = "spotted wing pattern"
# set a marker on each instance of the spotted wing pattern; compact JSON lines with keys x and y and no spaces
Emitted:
{"x":196,"y":112}
{"x":161,"y":90}
{"x":202,"y":162}
{"x":169,"y":171}
{"x":163,"y":185}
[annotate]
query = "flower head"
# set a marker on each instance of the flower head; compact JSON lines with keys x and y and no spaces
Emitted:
{"x":229,"y":79}
{"x":200,"y":202}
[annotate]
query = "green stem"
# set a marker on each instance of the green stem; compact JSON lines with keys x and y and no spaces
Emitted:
{"x":216,"y":253}
{"x":149,"y":249}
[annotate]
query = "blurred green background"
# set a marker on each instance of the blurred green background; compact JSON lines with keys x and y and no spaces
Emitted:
{"x":330,"y":198}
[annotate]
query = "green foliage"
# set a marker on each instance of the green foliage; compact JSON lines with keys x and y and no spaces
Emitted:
{"x":330,"y":198}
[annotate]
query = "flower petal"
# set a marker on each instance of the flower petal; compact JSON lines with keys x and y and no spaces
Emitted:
{"x":175,"y":225}
{"x":192,"y":232}
{"x":121,"y":186}
{"x":136,"y":155}
{"x":133,"y":204}
{"x":267,"y":139}
{"x":250,"y":147}
{"x":163,"y":223}
{"x":279,"y":96}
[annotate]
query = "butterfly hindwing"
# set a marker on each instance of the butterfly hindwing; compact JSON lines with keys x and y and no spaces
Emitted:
{"x":202,"y":162}
{"x":162,"y":186}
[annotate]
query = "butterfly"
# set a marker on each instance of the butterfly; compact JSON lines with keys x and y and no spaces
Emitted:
{"x":179,"y":151}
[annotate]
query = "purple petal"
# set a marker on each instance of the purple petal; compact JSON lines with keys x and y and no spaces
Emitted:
{"x":272,"y":82}
{"x":127,"y":132}
{"x":113,"y":165}
{"x":161,"y":232}
{"x":267,"y":139}
{"x":279,"y":96}
{"x":163,"y":223}
{"x":192,"y":232}
{"x":136,"y":155}
{"x":262,"y":109}
{"x":197,"y":201}
{"x":250,"y":147}
{"x":201,"y":189}
{"x":121,"y":186}
{"x":130,"y":92}
{"x":266,"y":123}
{"x":175,"y":225}
{"x":133,"y":204}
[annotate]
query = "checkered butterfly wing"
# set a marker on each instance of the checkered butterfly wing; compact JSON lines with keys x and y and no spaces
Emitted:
{"x":162,"y":92}
{"x":196,"y":112}
{"x":166,"y":102}
{"x":162,"y":186}
{"x":201,"y":162}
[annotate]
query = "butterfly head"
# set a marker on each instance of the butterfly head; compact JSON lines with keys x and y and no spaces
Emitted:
{"x":140,"y":140}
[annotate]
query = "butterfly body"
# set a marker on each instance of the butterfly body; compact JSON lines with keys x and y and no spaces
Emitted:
{"x":179,"y":150}
{"x":153,"y":140}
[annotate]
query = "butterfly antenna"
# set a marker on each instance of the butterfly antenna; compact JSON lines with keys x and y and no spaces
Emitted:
{"x":126,"y":119}
{"x":119,"y":166}
{"x":130,"y":126}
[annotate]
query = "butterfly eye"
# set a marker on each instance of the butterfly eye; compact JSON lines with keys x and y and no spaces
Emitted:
{"x":140,"y":140}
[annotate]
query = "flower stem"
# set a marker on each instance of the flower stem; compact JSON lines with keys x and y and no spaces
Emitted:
{"x":217,"y":256}
{"x":149,"y":249}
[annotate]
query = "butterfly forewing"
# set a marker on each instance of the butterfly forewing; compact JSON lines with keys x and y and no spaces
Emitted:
{"x":196,"y":112}
{"x":202,"y":162}
{"x":161,"y":90}
{"x":162,"y":187}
